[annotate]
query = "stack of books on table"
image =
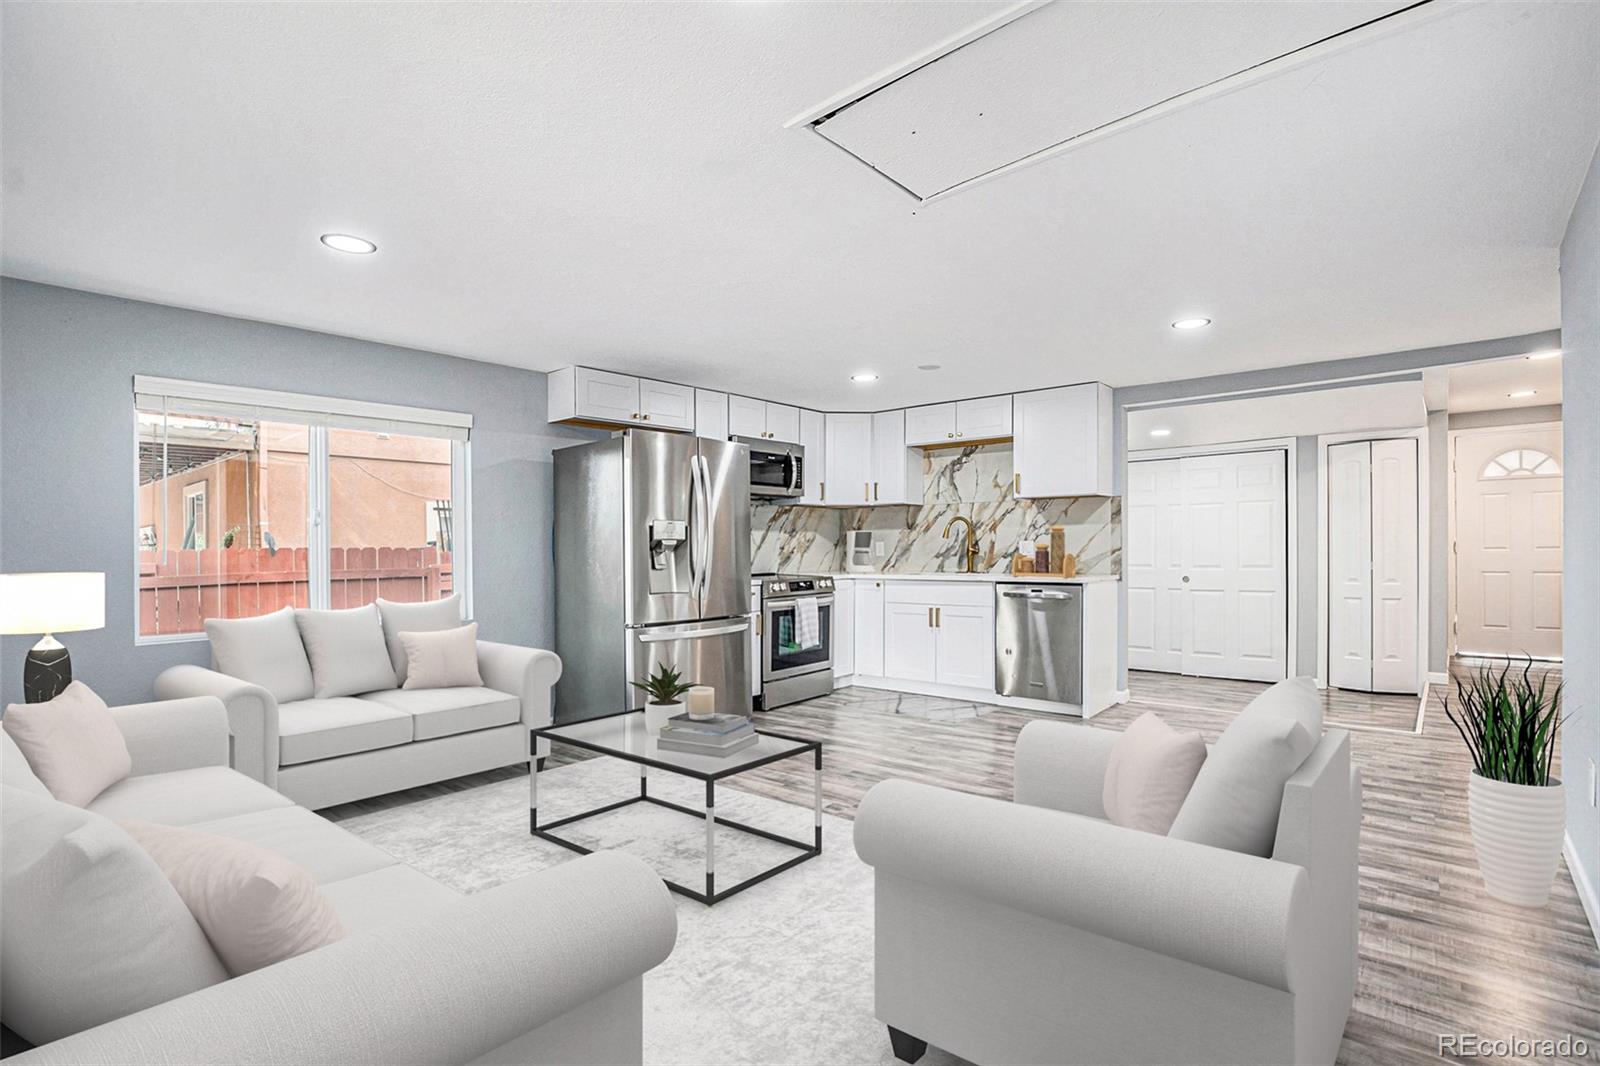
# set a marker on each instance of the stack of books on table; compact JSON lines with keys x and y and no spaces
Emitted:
{"x":721,"y":734}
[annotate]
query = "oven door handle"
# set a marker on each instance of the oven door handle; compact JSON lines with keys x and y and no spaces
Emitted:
{"x":774,"y":606}
{"x":662,"y":637}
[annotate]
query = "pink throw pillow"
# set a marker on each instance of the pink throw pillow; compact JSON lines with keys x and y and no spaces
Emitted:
{"x":255,"y":906}
{"x":72,"y":743}
{"x":1151,"y":769}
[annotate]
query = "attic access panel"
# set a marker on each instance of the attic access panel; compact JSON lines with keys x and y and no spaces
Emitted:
{"x":1039,"y":77}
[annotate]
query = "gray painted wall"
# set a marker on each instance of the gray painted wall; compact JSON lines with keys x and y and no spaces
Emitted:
{"x":1512,"y":416}
{"x":1438,"y":471}
{"x":1299,"y":375}
{"x":67,"y":361}
{"x":1580,"y":592}
{"x":1307,"y":490}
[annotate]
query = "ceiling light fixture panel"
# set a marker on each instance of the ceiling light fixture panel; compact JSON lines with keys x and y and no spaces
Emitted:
{"x":866,"y":377}
{"x":351,"y":245}
{"x":1191,"y":323}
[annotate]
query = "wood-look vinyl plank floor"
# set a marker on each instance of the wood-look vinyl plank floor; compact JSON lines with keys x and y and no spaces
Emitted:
{"x":1437,"y":955}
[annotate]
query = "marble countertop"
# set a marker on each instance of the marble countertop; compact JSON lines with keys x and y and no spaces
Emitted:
{"x":1030,"y":579}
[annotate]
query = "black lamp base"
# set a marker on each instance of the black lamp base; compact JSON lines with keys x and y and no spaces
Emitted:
{"x":45,"y":673}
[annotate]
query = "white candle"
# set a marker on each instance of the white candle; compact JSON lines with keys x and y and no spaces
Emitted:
{"x":701,"y":701}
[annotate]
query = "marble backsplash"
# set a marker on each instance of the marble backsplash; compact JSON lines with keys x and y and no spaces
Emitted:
{"x":975,"y":482}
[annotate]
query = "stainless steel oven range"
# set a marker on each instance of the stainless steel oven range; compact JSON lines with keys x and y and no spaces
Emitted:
{"x":796,"y":655}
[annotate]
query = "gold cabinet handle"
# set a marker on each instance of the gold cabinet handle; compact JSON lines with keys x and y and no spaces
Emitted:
{"x":822,"y":490}
{"x":1016,"y":484}
{"x":874,"y":491}
{"x":634,"y":416}
{"x":930,"y":617}
{"x":645,"y":417}
{"x":952,"y":436}
{"x":938,"y":617}
{"x":866,"y":491}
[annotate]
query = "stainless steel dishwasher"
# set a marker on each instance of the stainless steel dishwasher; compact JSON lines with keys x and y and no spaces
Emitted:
{"x":1038,"y":646}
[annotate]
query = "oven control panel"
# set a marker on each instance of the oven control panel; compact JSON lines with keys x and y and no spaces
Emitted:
{"x":799,"y":586}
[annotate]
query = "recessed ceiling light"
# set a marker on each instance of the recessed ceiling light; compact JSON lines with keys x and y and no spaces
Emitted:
{"x":1191,"y":323}
{"x":866,"y":377}
{"x":1161,"y":432}
{"x":1522,"y":394}
{"x":343,"y":242}
{"x":928,"y":366}
{"x":1536,"y":356}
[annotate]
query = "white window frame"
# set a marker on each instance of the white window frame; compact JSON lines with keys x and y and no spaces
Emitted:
{"x":317,"y":414}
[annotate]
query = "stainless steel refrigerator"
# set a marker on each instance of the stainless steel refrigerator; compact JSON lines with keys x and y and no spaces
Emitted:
{"x":652,"y":558}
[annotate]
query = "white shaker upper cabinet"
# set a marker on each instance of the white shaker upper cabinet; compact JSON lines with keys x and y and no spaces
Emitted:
{"x":934,"y":424}
{"x":747,"y":417}
{"x":783,"y":423}
{"x":813,"y":433}
{"x":665,"y":405}
{"x":896,"y":469}
{"x":576,"y":392}
{"x":711,"y":414}
{"x":1063,"y":441}
{"x":763,"y":420}
{"x":847,"y":447}
{"x":988,"y":418}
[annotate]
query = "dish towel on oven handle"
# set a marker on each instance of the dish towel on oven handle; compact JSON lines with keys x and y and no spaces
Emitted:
{"x":807,"y":624}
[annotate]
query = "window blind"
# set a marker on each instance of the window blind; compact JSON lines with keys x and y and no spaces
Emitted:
{"x":232,"y":401}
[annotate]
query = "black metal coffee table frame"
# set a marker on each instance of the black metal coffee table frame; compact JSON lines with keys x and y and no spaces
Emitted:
{"x":711,"y":895}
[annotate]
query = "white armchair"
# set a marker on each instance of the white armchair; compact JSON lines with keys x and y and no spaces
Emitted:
{"x":1036,"y":931}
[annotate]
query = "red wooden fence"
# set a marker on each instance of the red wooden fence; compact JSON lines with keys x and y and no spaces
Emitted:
{"x":180,"y":589}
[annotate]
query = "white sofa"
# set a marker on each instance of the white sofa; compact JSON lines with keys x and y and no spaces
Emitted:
{"x":1037,"y":931}
{"x":321,"y":752}
{"x":545,"y":969}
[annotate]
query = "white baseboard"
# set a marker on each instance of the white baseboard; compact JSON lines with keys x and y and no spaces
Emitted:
{"x":1438,"y":677}
{"x":1585,"y":887}
{"x":1122,"y":696}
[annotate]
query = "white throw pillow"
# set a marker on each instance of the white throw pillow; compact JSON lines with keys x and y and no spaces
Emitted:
{"x":72,"y":743}
{"x":415,"y":618}
{"x":91,"y":929}
{"x":348,"y":656}
{"x":446,"y":658}
{"x":1294,"y":697}
{"x":256,"y":907}
{"x":264,"y":651}
{"x":1149,"y":773}
{"x":1238,"y":793}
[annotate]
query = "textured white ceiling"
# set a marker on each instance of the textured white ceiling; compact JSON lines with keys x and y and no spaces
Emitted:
{"x":1387,"y":405}
{"x":611,"y":184}
{"x":1488,"y":386}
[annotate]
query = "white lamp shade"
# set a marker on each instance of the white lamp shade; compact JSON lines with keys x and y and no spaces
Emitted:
{"x":52,"y":603}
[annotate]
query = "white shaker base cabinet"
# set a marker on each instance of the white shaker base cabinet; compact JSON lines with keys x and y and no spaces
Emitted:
{"x":1373,"y":566}
{"x":1207,"y":558}
{"x":937,"y":638}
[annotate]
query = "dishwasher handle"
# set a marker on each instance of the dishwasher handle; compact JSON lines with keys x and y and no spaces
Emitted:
{"x":1039,"y":594}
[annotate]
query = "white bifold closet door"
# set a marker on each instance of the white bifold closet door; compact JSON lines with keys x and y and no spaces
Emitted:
{"x":1373,"y":590}
{"x":1207,"y":565}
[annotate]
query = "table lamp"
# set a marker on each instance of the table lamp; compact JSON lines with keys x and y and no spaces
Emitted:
{"x":49,"y":604}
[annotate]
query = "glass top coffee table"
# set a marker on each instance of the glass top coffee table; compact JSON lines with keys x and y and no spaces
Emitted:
{"x":624,"y":736}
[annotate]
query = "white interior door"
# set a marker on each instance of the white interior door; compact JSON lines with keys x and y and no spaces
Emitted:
{"x":1152,"y":515}
{"x":1508,"y":542}
{"x":1236,"y":565}
{"x":1395,"y":666}
{"x":1350,"y":565}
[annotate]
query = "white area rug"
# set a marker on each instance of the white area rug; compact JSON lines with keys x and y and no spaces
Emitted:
{"x":781,"y":973}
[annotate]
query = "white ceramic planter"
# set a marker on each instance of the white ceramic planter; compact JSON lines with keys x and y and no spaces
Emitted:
{"x":656,"y":715}
{"x":1516,"y":831}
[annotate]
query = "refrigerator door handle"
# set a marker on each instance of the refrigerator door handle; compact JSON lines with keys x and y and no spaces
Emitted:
{"x":697,"y":540}
{"x":656,"y":636}
{"x":705,"y":524}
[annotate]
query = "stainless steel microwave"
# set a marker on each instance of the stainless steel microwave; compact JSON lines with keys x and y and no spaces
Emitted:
{"x":776,"y":469}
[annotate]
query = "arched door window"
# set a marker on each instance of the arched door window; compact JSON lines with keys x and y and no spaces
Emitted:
{"x":1522,"y":462}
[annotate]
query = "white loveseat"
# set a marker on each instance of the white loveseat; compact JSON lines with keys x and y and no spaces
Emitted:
{"x":1037,"y":931}
{"x":544,"y":969}
{"x":321,"y":752}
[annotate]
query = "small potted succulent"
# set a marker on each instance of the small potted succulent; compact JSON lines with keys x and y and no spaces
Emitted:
{"x":662,"y":690}
{"x":1516,"y":809}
